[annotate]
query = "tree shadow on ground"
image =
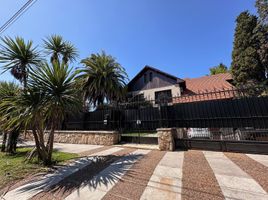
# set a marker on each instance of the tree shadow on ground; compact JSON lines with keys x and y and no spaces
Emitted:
{"x":91,"y":172}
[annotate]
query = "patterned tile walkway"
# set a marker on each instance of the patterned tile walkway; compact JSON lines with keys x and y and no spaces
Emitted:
{"x":119,"y":173}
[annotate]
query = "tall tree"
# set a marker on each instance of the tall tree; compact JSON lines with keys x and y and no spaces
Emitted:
{"x":246,"y":66}
{"x":262,"y":8}
{"x":261,"y":32}
{"x":51,"y":94}
{"x":59,"y":49}
{"x":221,"y":68}
{"x":103,"y":79}
{"x":18,"y":57}
{"x":56,"y":85}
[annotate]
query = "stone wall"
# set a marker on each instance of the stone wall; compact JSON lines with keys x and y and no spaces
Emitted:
{"x":83,"y":137}
{"x":166,"y":140}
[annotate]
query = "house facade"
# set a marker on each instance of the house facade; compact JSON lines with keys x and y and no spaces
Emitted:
{"x":153,"y":84}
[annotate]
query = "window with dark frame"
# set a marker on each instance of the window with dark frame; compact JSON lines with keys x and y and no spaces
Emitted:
{"x":151,"y":76}
{"x":145,"y":78}
{"x":163,"y":97}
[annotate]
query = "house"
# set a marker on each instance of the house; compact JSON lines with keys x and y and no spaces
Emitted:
{"x":153,"y":84}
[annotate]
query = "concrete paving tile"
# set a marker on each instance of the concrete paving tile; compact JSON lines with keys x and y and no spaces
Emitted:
{"x":168,"y":172}
{"x":246,"y":185}
{"x":222,"y":165}
{"x":165,"y":183}
{"x":263,"y":159}
{"x":151,"y":193}
{"x":86,"y":194}
{"x":172,"y":159}
{"x":168,"y":184}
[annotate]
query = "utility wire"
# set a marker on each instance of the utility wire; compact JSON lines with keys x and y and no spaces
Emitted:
{"x":17,"y":15}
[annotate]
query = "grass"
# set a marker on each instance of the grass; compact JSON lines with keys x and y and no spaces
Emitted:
{"x":142,"y":134}
{"x":14,"y":167}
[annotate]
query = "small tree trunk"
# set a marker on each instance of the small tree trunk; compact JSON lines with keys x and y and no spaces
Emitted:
{"x":40,"y":147}
{"x":3,"y":148}
{"x":12,"y":142}
{"x":50,"y":144}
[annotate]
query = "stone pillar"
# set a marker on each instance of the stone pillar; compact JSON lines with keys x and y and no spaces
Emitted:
{"x":166,"y":140}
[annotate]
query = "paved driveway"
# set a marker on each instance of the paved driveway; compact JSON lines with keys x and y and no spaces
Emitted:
{"x":126,"y":173}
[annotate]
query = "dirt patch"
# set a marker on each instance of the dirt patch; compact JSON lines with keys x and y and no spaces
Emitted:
{"x":198,"y":180}
{"x":253,"y":168}
{"x":134,"y":182}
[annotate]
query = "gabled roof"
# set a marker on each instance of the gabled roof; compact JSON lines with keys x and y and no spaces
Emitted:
{"x":178,"y":80}
{"x":210,"y":83}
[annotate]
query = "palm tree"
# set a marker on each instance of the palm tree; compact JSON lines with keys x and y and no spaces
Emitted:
{"x":18,"y":57}
{"x":57,"y":86}
{"x":8,"y":89}
{"x":58,"y":49}
{"x":51,"y":94}
{"x":103,"y":79}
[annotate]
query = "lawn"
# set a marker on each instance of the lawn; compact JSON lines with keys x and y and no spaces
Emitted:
{"x":141,"y":134}
{"x":13,"y":168}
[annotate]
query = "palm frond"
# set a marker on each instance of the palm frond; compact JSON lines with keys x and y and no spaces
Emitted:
{"x":103,"y":78}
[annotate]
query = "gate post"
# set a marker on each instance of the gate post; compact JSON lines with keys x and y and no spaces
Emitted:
{"x":166,"y":139}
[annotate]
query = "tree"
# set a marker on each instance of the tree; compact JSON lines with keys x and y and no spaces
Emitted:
{"x":50,"y":95}
{"x":262,"y":8}
{"x":18,"y":57}
{"x":8,"y":89}
{"x":60,"y":49}
{"x":103,"y":79}
{"x":57,"y":86}
{"x":261,"y":32}
{"x":221,"y":68}
{"x":246,"y":66}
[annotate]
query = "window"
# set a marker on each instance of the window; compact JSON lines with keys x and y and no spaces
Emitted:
{"x":151,"y":76}
{"x":163,"y":97}
{"x":145,"y":78}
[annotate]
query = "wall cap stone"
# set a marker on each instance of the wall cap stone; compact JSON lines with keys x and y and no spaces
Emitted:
{"x":89,"y":132}
{"x":81,"y":132}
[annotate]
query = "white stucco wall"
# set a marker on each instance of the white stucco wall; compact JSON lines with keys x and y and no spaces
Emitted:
{"x":150,"y":93}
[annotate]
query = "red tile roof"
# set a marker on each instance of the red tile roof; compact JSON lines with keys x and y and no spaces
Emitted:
{"x":207,"y":88}
{"x":210,"y":83}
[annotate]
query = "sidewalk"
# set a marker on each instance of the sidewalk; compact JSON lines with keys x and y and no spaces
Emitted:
{"x":125,"y":173}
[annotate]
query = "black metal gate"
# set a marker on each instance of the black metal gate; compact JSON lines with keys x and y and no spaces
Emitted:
{"x":228,"y":120}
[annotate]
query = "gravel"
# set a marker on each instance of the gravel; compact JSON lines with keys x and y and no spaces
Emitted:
{"x":134,"y":182}
{"x":198,"y":180}
{"x":92,"y":151}
{"x":80,"y":178}
{"x":253,"y":168}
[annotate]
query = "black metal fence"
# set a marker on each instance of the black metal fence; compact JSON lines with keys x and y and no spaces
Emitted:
{"x":237,"y":114}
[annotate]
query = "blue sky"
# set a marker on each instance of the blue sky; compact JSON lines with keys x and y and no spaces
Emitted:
{"x":182,"y":37}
